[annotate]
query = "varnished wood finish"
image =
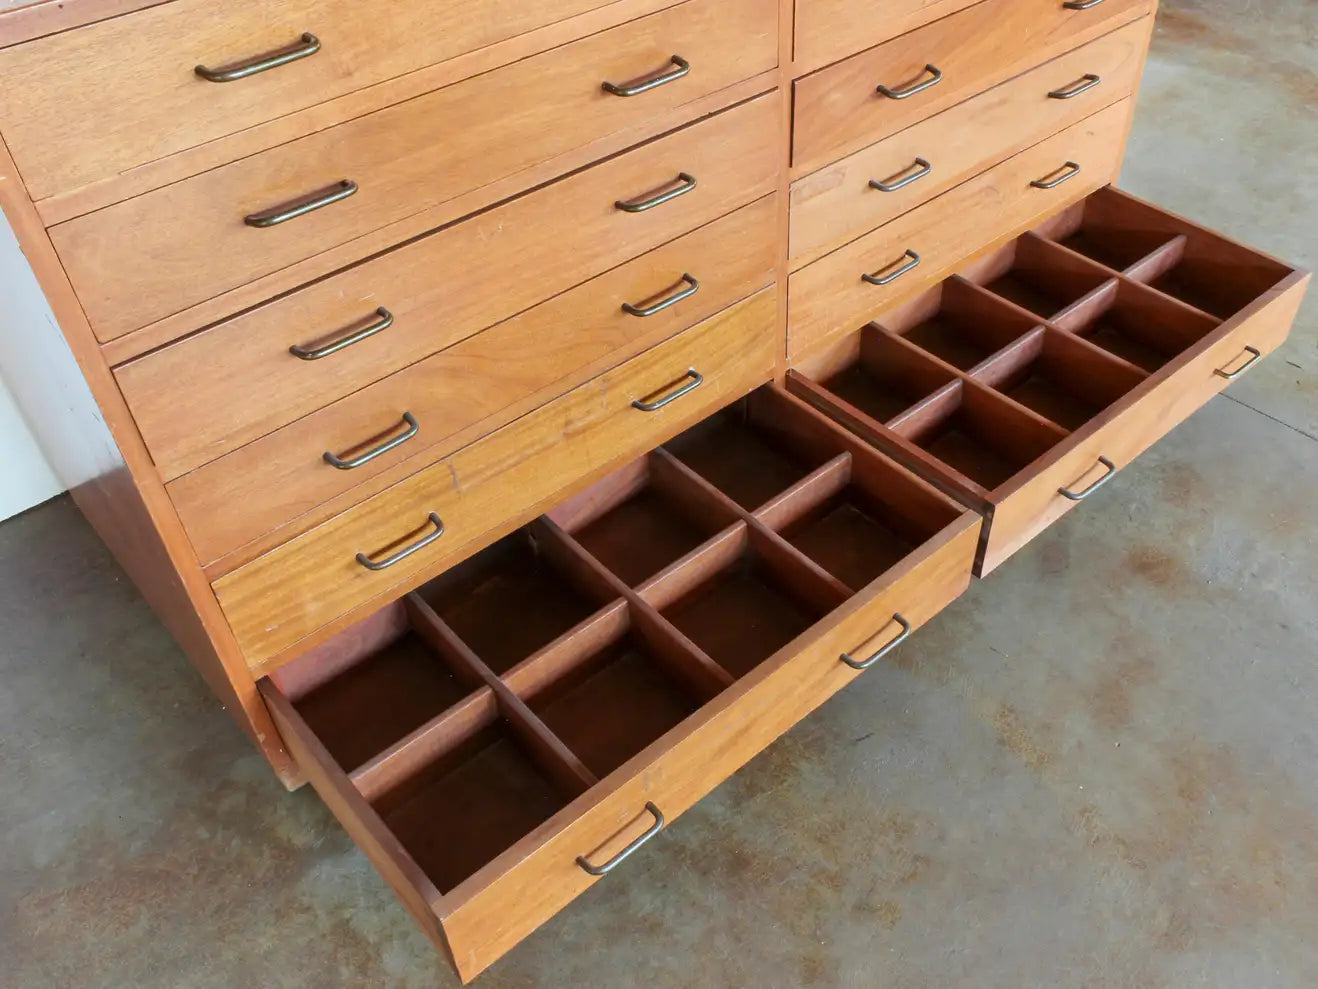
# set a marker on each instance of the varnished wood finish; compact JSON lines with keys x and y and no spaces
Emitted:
{"x":828,"y":30}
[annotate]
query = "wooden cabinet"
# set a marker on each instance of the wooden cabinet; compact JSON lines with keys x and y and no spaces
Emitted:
{"x":524,"y":416}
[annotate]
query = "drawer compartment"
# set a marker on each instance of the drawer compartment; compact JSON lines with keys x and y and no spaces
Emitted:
{"x":100,"y":100}
{"x":1026,"y":382}
{"x":155,"y":255}
{"x":827,"y":30}
{"x":918,"y":249}
{"x":893,"y":85}
{"x":871,"y":187}
{"x":575,"y":741}
{"x":334,"y":571}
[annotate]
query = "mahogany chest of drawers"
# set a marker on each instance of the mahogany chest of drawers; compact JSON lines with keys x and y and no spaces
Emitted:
{"x":523,"y":413}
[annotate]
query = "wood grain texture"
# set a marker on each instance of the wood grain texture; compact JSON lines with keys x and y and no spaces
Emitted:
{"x":838,"y":109}
{"x":241,"y":382}
{"x":828,"y":30}
{"x":189,"y":242}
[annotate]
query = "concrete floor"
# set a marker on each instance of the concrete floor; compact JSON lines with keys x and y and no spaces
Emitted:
{"x":1099,"y":769}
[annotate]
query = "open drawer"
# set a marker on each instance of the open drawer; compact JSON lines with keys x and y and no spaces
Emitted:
{"x":1023,"y":384}
{"x":512,"y":731}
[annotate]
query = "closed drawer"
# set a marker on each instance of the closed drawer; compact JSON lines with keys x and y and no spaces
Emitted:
{"x":220,"y":389}
{"x":486,"y":489}
{"x":477,"y":384}
{"x":871,"y":187}
{"x":828,"y":30}
{"x":842,"y":108}
{"x":98,"y":101}
{"x":1029,"y":382}
{"x":510,"y":733}
{"x":157,"y":254}
{"x":857,"y":282}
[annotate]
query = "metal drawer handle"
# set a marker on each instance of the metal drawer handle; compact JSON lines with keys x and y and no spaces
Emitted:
{"x":696,"y":380}
{"x":309,"y":204}
{"x":692,"y":288}
{"x":1068,"y":171}
{"x":915,"y":88}
{"x":384,"y":320}
{"x":681,"y":67}
{"x":888,"y":279}
{"x":1230,"y":375}
{"x":406,"y":551}
{"x":1081,"y":4}
{"x":412,"y":429}
{"x":1082,"y":495}
{"x":895,"y":182}
{"x":305,"y":47}
{"x":1082,"y":85}
{"x":622,"y":856}
{"x":865,"y":664}
{"x":688,"y":183}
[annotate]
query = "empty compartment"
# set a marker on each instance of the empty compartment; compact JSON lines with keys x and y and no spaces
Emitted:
{"x":1138,"y":325}
{"x":1060,"y":377}
{"x":957,"y":322}
{"x":510,"y":600}
{"x":1211,"y":274}
{"x":885,"y":375}
{"x":1099,"y":229}
{"x":371,"y":687}
{"x":1034,"y":274}
{"x":750,"y":460}
{"x":643,"y":518}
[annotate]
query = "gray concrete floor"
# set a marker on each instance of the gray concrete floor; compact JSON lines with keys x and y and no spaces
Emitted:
{"x":1098,"y":769}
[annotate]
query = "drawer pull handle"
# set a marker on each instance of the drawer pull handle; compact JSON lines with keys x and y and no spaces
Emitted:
{"x":412,"y":429}
{"x":681,"y":67}
{"x":892,"y":276}
{"x":901,"y":180}
{"x":308,"y":204}
{"x":1257,"y":356}
{"x":384,"y":319}
{"x":692,"y":287}
{"x":686,"y":184}
{"x":865,"y":664}
{"x":1082,"y":85}
{"x":935,"y":77}
{"x":305,"y":47}
{"x":406,"y":551}
{"x":1067,"y":172}
{"x":696,"y":380}
{"x":1082,"y":495}
{"x":1081,"y":4}
{"x":622,"y":856}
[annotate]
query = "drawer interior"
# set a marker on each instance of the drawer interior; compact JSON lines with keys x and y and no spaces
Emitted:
{"x":497,"y":697}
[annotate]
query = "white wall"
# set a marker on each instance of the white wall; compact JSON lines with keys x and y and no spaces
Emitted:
{"x":25,"y":478}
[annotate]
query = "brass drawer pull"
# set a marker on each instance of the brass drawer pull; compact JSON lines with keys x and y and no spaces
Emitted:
{"x":901,"y":180}
{"x":865,"y":664}
{"x":412,"y":429}
{"x":1082,"y":495}
{"x":622,"y":856}
{"x":692,"y":288}
{"x":681,"y":67}
{"x":1231,"y":375}
{"x":688,"y":183}
{"x":915,"y":88}
{"x":888,"y":279}
{"x":317,"y":200}
{"x":1082,"y":85}
{"x":1081,"y":4}
{"x":1068,"y":171}
{"x":406,"y":551}
{"x":384,"y":319}
{"x":696,"y":380}
{"x":305,"y":47}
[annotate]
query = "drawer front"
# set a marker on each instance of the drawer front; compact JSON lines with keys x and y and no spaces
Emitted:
{"x":839,"y":203}
{"x":477,"y":384}
{"x":95,"y":102}
{"x":491,"y":486}
{"x":157,"y":254}
{"x":241,"y":382}
{"x":830,"y":296}
{"x":838,"y":109}
{"x":828,"y":30}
